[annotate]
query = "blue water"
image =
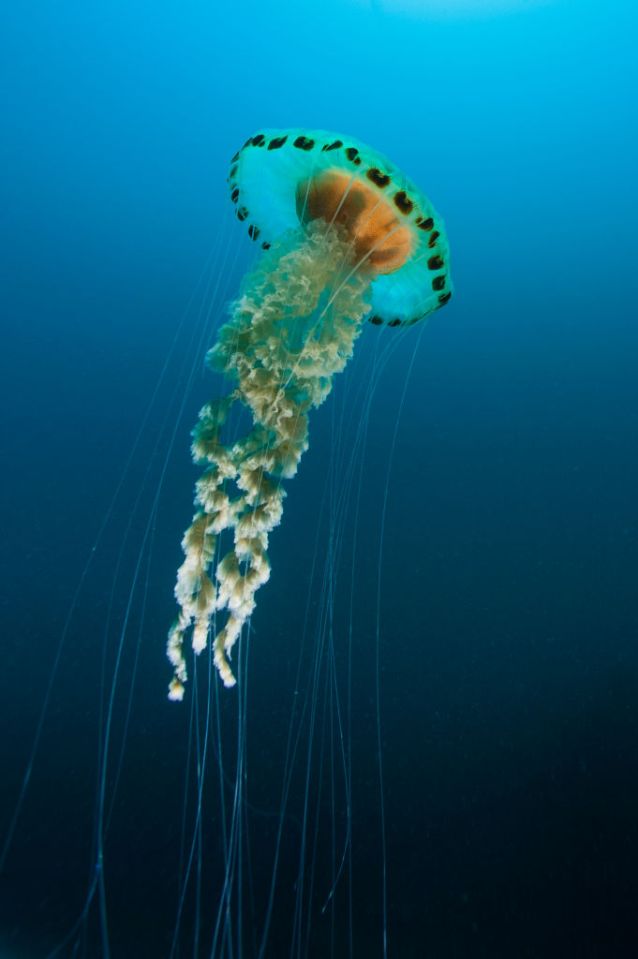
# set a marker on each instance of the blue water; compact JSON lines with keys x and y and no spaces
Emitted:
{"x":508,"y":617}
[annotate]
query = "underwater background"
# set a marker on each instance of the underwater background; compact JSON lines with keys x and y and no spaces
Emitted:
{"x":503,"y":434}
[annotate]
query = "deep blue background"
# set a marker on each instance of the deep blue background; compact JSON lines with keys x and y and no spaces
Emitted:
{"x":509,"y":620}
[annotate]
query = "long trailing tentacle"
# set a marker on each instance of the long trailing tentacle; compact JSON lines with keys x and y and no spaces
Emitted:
{"x":281,"y":362}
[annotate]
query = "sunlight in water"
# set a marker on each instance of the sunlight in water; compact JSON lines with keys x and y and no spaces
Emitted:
{"x":451,"y":8}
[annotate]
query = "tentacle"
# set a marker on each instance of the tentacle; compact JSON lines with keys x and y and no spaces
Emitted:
{"x":281,"y":351}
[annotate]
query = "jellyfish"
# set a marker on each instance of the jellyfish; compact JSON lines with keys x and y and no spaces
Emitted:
{"x":345,"y":237}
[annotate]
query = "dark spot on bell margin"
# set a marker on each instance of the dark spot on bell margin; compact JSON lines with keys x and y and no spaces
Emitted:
{"x":394,"y":323}
{"x":235,"y":158}
{"x":425,"y":224}
{"x":253,"y":231}
{"x":403,"y":202}
{"x":303,"y":143}
{"x":235,"y":195}
{"x":433,"y":239}
{"x":435,"y":263}
{"x":277,"y":142}
{"x":332,"y":146}
{"x":242,"y":213}
{"x":377,"y":177}
{"x":233,"y":171}
{"x":444,"y":297}
{"x":259,"y":140}
{"x":265,"y":246}
{"x":438,"y":282}
{"x":353,"y":155}
{"x":376,"y":320}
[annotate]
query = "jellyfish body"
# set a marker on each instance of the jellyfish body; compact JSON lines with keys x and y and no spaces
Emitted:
{"x":345,"y":237}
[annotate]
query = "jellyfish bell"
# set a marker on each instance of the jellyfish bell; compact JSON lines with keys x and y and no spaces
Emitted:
{"x":345,"y":237}
{"x":280,"y":179}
